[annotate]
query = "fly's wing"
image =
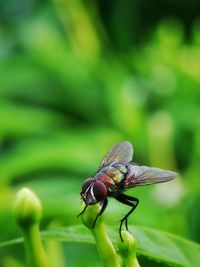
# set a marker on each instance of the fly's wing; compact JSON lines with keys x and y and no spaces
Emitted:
{"x":120,"y":153}
{"x":142,"y":175}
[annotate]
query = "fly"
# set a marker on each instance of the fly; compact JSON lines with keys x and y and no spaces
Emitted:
{"x":117,"y":173}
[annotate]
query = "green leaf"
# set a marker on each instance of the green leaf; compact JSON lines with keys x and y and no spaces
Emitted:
{"x":166,"y":247}
{"x":11,"y":242}
{"x":153,"y":244}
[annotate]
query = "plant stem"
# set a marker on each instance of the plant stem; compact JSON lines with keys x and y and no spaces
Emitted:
{"x":35,"y":253}
{"x":104,"y":246}
{"x":130,"y":262}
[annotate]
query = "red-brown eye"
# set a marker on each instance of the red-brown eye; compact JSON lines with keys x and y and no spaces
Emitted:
{"x":99,"y":190}
{"x":86,"y":184}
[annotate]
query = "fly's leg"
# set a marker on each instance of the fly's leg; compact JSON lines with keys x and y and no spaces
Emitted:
{"x":130,"y":201}
{"x":103,"y":207}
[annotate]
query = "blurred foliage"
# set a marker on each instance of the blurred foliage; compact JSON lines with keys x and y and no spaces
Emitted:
{"x":78,"y":76}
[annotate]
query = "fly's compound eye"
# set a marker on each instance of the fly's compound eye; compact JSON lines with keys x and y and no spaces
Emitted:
{"x":86,"y":184}
{"x":100,"y":191}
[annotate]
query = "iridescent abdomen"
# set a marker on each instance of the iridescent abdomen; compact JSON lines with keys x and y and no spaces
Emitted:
{"x":112,"y":176}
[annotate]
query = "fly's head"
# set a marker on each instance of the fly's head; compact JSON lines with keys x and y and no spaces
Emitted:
{"x":93,"y":191}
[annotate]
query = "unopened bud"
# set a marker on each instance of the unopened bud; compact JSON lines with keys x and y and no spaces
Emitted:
{"x":27,"y":208}
{"x":127,"y":249}
{"x":128,"y":245}
{"x":90,"y":215}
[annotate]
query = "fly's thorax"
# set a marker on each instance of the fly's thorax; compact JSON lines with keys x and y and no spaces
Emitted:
{"x":116,"y":172}
{"x":112,"y":176}
{"x":106,"y":180}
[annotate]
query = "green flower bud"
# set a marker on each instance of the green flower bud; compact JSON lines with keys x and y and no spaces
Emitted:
{"x":127,"y":249}
{"x":27,"y":208}
{"x":28,"y":212}
{"x":89,"y":216}
{"x":128,"y":245}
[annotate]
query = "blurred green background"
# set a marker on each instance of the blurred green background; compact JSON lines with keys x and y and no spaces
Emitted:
{"x":76,"y":77}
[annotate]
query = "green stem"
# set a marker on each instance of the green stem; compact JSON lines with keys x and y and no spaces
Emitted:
{"x":35,"y":253}
{"x":130,"y":261}
{"x":104,"y":246}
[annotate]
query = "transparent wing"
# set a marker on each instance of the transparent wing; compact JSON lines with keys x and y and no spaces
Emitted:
{"x":120,"y":153}
{"x":142,"y":175}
